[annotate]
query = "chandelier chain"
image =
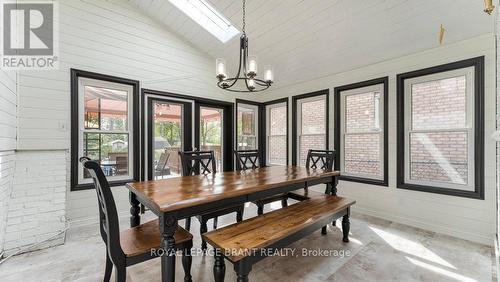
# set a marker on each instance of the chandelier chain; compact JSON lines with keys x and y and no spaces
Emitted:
{"x":244,"y":14}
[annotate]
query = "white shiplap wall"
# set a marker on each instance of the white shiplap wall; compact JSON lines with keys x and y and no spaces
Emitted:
{"x":8,"y":131}
{"x":110,"y":37}
{"x":461,"y":217}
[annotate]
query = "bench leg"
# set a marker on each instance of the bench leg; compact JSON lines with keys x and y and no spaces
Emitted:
{"x":187,"y":260}
{"x":284,"y":203}
{"x":260,"y":208}
{"x":219,"y":268}
{"x":323,"y":230}
{"x":346,"y":225}
{"x":242,"y":269}
{"x":215,"y":222}
{"x":239,"y":215}
{"x":203,"y":229}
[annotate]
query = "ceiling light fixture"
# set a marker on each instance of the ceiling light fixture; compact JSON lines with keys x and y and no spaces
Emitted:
{"x":247,"y":70}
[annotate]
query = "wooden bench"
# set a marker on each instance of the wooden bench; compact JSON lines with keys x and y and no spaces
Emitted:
{"x":249,"y":241}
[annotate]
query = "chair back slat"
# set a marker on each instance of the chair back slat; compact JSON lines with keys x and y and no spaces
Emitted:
{"x":247,"y":159}
{"x":320,"y":159}
{"x":197,"y":162}
{"x":108,"y":217}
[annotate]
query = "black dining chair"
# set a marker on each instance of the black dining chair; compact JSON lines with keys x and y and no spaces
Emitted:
{"x":320,"y":159}
{"x":250,"y":159}
{"x":203,"y":162}
{"x":133,"y":245}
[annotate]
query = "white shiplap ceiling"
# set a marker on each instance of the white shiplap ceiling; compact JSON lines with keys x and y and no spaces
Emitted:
{"x":305,"y":39}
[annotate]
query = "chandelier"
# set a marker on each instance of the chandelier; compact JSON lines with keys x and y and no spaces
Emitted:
{"x":247,"y":70}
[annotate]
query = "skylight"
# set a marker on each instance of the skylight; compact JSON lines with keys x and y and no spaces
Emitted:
{"x":206,"y":16}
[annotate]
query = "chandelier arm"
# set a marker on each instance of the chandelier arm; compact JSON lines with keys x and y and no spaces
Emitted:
{"x":261,"y":82}
{"x":239,"y":65}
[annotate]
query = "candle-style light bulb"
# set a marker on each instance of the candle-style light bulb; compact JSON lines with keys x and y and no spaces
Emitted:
{"x":268,"y":74}
{"x":251,"y":84}
{"x":252,"y":66}
{"x":220,"y":69}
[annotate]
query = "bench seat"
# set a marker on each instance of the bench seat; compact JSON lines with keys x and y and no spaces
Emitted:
{"x":265,"y":230}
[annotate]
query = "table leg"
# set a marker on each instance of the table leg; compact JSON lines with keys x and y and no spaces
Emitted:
{"x":333,"y":184}
{"x":168,"y":225}
{"x":346,"y":225}
{"x":135,"y":209}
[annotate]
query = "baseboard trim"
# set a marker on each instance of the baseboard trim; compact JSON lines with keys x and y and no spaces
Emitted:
{"x":483,"y":239}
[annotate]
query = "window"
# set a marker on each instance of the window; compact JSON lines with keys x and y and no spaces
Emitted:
{"x":440,"y":123}
{"x":277,"y":132}
{"x":247,"y":126}
{"x":207,"y":17}
{"x":310,"y":114}
{"x":361,"y":135}
{"x":103,"y":128}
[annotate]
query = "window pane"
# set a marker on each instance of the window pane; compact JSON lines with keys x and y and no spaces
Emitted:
{"x":361,"y":112}
{"x":362,"y":154}
{"x":111,"y":150}
{"x":439,"y":104}
{"x":439,"y":156}
{"x":167,"y":122}
{"x":306,"y":142}
{"x":277,"y":121}
{"x":313,"y":117}
{"x":105,"y":109}
{"x":247,"y":128}
{"x":211,"y":133}
{"x":277,"y":150}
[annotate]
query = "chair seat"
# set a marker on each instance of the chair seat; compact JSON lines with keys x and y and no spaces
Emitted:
{"x":141,"y":239}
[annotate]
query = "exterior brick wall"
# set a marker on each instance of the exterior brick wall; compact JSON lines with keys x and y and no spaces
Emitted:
{"x":313,"y":128}
{"x":439,"y":156}
{"x":37,"y":207}
{"x":277,"y":150}
{"x":362,"y":149}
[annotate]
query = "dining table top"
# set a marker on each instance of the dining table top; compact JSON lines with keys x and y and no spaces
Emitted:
{"x":167,"y":195}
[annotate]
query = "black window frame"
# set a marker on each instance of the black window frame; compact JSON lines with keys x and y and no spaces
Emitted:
{"x":337,"y":125}
{"x":75,"y":75}
{"x":260,"y":124}
{"x":264,"y":135}
{"x":295,"y":100}
{"x":478,"y":64}
{"x":228,"y":119}
{"x":187,"y":134}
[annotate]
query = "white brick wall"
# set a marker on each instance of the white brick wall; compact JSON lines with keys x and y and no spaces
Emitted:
{"x":8,"y":133}
{"x":6,"y":177}
{"x":37,"y":207}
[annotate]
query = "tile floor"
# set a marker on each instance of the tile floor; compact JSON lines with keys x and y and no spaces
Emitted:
{"x":379,"y":250}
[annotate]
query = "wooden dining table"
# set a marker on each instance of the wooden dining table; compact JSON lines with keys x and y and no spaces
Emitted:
{"x":178,"y":198}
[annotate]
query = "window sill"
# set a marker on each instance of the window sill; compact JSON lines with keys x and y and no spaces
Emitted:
{"x":443,"y":191}
{"x":364,"y":180}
